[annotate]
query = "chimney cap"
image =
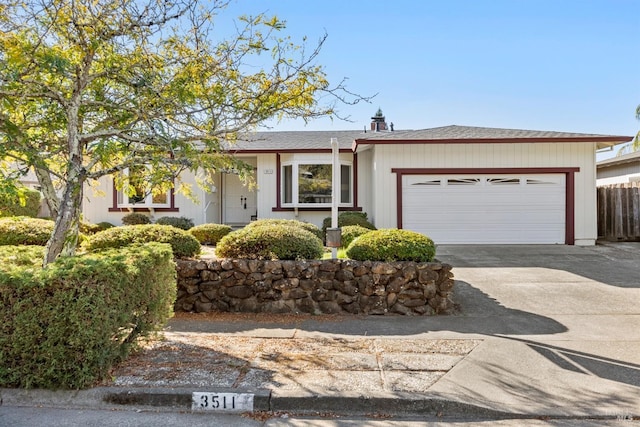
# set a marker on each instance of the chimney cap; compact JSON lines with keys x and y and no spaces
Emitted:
{"x":379,"y":114}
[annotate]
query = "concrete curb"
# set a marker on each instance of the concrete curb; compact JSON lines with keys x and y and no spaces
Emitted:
{"x":264,"y":400}
{"x":304,"y":403}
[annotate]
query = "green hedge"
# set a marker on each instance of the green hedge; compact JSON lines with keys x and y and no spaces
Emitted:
{"x":288,"y":222}
{"x":270,"y":241}
{"x":210,"y":234}
{"x":66,"y":326}
{"x":10,"y":204}
{"x":182,"y":243}
{"x":24,"y":230}
{"x":392,"y":245}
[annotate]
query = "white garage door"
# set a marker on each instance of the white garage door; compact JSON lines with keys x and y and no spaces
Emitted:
{"x":485,"y":208}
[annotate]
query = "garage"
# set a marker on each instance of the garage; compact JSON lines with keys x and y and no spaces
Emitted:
{"x":486,"y":208}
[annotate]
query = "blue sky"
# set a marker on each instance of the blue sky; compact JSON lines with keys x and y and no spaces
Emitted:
{"x":563,"y":65}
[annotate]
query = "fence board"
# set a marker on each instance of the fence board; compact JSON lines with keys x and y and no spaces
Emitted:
{"x":619,"y":212}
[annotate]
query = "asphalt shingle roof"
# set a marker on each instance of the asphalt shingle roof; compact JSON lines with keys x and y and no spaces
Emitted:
{"x":474,"y":132}
{"x":321,"y":140}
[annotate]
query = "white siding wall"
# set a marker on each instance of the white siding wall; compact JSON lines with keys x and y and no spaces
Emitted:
{"x":582,"y":155}
{"x":99,"y":198}
{"x":365,"y":181}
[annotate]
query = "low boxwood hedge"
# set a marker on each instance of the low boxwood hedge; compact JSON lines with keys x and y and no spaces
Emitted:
{"x":210,"y":234}
{"x":183,"y":244}
{"x":24,"y":230}
{"x":270,"y":241}
{"x":66,"y":326}
{"x":392,"y":245}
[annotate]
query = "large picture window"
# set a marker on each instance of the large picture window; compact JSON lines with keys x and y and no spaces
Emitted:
{"x":139,"y":194}
{"x":309,"y":184}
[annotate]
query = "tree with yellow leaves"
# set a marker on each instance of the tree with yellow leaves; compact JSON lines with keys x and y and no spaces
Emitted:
{"x":93,"y":88}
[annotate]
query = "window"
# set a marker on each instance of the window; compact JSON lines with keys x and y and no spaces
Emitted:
{"x":139,"y":195}
{"x":309,"y":184}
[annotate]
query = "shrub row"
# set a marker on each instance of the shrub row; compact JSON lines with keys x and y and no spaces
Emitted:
{"x":66,"y":326}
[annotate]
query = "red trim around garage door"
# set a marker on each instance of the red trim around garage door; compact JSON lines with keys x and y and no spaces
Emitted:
{"x":569,"y":173}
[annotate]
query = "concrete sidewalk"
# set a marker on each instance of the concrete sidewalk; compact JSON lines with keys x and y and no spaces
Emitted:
{"x":543,"y":331}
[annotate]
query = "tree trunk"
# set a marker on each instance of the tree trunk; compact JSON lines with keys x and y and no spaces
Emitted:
{"x":64,"y":239}
{"x":48,"y":191}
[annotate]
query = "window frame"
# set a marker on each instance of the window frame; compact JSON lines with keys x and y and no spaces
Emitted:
{"x":121,"y":201}
{"x":292,"y":189}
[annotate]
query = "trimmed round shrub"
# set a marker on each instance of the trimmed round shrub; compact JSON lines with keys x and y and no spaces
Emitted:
{"x":22,"y":230}
{"x":183,"y":244}
{"x":182,"y":222}
{"x":136,"y":218}
{"x":210,"y":234}
{"x":10,"y":203}
{"x":348,"y":218}
{"x":392,"y":245}
{"x":352,"y":232}
{"x":269,"y":241}
{"x":288,"y":222}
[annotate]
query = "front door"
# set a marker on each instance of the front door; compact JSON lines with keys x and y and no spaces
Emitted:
{"x":239,"y":203}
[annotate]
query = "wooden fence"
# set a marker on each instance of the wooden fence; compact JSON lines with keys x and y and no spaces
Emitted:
{"x":619,"y":212}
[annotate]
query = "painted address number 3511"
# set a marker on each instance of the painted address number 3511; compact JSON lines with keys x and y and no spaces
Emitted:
{"x":226,"y":402}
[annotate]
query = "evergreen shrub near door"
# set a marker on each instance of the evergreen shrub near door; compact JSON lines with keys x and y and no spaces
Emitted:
{"x":392,"y":245}
{"x":66,"y":326}
{"x":210,"y":234}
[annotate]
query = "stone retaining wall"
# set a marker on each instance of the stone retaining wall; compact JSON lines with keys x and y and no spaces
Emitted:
{"x":316,"y":286}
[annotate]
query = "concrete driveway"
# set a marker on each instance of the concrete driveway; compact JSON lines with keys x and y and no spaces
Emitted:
{"x":564,"y":328}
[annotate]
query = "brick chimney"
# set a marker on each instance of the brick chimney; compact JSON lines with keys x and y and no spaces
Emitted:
{"x":378,"y":122}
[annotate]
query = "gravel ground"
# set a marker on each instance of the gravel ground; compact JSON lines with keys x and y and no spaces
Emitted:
{"x":179,"y":359}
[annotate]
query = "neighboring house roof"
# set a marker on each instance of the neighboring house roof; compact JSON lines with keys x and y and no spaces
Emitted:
{"x":618,"y":160}
{"x":296,"y":141}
